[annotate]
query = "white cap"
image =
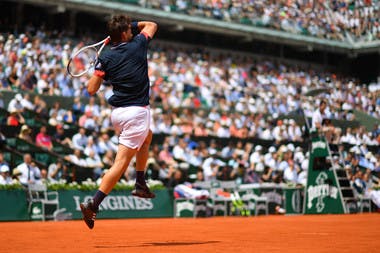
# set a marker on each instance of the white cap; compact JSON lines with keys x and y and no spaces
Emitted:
{"x":4,"y":168}
{"x":258,"y":148}
{"x":18,"y":97}
{"x":272,"y":149}
{"x":290,"y":147}
{"x":283,"y":148}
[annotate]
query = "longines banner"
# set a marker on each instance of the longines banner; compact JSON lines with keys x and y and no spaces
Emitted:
{"x":120,"y":204}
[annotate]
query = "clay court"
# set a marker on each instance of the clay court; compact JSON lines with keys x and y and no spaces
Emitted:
{"x":307,"y":233}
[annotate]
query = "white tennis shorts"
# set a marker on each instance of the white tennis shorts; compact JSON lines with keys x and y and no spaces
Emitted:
{"x":133,"y":124}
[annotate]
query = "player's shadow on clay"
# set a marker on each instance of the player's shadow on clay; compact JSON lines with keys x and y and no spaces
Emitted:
{"x":177,"y":243}
{"x":154,"y":244}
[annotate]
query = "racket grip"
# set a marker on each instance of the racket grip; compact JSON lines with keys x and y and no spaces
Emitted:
{"x":108,"y":39}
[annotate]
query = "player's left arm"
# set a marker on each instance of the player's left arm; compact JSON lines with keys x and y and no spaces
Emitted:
{"x":147,"y":28}
{"x":93,"y":84}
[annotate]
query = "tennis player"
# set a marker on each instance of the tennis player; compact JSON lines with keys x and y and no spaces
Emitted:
{"x":125,"y":67}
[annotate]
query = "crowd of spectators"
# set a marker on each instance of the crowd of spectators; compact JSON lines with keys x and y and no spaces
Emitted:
{"x":195,"y":93}
{"x":345,"y":20}
{"x":184,"y":76}
{"x":183,"y":148}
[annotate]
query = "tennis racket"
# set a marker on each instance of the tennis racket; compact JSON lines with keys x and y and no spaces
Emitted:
{"x":83,"y":60}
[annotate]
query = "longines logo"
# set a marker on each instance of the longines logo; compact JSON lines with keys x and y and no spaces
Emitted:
{"x":117,"y":203}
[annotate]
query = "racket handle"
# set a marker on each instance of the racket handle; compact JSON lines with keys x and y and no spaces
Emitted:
{"x":108,"y":39}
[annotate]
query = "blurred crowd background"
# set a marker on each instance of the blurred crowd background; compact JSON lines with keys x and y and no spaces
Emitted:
{"x":216,"y":114}
{"x":347,"y":20}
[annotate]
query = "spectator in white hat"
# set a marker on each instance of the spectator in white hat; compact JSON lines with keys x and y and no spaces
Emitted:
{"x":256,"y":156}
{"x":4,"y":175}
{"x":16,"y":104}
{"x":270,"y":158}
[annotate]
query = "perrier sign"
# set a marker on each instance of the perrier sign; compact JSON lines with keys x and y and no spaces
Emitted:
{"x":322,"y":194}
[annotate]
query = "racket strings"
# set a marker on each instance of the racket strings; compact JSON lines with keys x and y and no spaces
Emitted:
{"x":82,"y":61}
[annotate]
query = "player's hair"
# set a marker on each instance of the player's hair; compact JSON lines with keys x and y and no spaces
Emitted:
{"x":117,"y":25}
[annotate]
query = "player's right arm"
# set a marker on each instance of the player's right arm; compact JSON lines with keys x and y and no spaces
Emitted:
{"x":97,"y":78}
{"x":93,"y":84}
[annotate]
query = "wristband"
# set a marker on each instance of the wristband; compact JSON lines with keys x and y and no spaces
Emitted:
{"x":134,"y":28}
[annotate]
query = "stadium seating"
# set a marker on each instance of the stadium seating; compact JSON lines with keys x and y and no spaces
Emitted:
{"x":335,"y":20}
{"x":256,"y":204}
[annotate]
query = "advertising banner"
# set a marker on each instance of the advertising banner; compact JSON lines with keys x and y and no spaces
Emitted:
{"x":322,"y":194}
{"x":120,"y":204}
{"x":13,"y":205}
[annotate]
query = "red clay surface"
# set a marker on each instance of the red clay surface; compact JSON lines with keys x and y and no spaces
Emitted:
{"x":311,"y":233}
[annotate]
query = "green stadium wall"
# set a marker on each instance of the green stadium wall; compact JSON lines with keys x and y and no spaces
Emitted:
{"x":118,"y":204}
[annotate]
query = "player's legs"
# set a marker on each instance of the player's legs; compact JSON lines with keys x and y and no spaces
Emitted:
{"x":133,"y":125}
{"x":123,"y":157}
{"x":142,"y":155}
{"x":90,"y":208}
{"x":141,"y":189}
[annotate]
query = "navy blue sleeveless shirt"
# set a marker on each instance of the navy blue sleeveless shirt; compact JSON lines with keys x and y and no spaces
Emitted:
{"x":125,"y":67}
